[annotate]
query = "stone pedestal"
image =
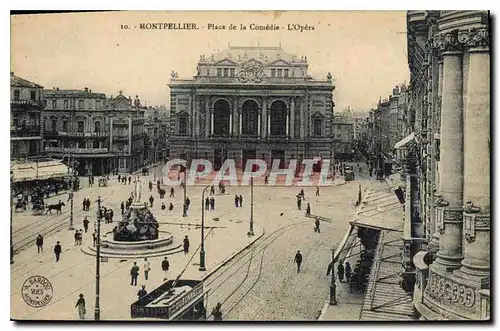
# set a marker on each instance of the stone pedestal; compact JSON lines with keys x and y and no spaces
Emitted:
{"x":449,"y":222}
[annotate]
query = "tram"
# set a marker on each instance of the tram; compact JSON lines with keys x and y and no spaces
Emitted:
{"x":175,"y":300}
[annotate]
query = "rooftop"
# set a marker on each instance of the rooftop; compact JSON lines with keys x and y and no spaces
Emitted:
{"x":267,"y":55}
{"x":16,"y":81}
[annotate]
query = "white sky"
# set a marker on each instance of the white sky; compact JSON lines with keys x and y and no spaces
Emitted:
{"x":364,"y":51}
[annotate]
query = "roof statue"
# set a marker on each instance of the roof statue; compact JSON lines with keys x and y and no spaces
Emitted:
{"x":329,"y":76}
{"x":173,"y":74}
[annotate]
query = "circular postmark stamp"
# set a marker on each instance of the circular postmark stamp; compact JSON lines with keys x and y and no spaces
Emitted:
{"x":37,"y":291}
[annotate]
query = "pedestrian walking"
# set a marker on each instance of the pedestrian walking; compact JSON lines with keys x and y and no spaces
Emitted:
{"x":217,"y":313}
{"x":76,"y":237}
{"x":142,"y":292}
{"x":302,"y":194}
{"x":92,"y":178}
{"x":212,"y":190}
{"x":134,"y":273}
{"x":147,"y":268}
{"x":236,"y":200}
{"x":186,"y":245}
{"x":84,"y":204}
{"x":187,"y":202}
{"x":308,"y":209}
{"x":266,"y":181}
{"x":80,"y":236}
{"x":212,"y":203}
{"x":340,"y":271}
{"x":172,"y":193}
{"x":94,"y":238}
{"x":151,"y":200}
{"x":163,"y":207}
{"x":170,"y":208}
{"x":80,"y":305}
{"x":207,"y":203}
{"x":241,"y":200}
{"x":348,"y":271}
{"x":119,"y":178}
{"x":165,"y":265}
{"x":129,"y":179}
{"x":57,"y":251}
{"x":317,"y":191}
{"x":111,"y":214}
{"x":298,"y":260}
{"x":316,"y":226}
{"x":299,"y":202}
{"x":39,"y":243}
{"x":150,"y":186}
{"x":86,"y":224}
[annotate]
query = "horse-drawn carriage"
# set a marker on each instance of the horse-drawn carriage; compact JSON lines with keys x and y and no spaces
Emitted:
{"x":38,"y":209}
{"x":20,"y":205}
{"x":103,"y":182}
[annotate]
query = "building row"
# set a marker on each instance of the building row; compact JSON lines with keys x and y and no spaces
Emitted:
{"x":102,"y":134}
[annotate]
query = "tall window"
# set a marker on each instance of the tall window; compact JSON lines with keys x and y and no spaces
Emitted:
{"x":65,"y":104}
{"x":317,"y":127}
{"x":280,"y":73}
{"x":54,"y":125}
{"x":219,"y":72}
{"x":98,"y":104}
{"x":183,"y":125}
{"x":97,"y":126}
{"x":226,"y":72}
{"x":65,"y":126}
{"x":81,"y":125}
{"x":80,"y":104}
{"x":273,"y":72}
{"x":286,"y":72}
{"x":17,"y":93}
{"x":33,"y":95}
{"x":232,"y":72}
{"x":95,"y":144}
{"x":54,"y":104}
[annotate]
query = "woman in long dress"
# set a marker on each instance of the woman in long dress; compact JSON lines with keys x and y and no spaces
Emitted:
{"x":80,"y":304}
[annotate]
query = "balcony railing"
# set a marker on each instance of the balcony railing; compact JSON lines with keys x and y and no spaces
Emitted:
{"x":82,"y":134}
{"x":23,"y":104}
{"x":76,"y":150}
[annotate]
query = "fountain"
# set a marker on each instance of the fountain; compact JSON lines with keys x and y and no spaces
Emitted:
{"x":137,"y":234}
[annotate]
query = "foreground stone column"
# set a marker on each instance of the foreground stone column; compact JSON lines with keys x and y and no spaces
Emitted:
{"x":477,"y":220}
{"x":264,"y":118}
{"x":292,"y":118}
{"x":451,"y":184}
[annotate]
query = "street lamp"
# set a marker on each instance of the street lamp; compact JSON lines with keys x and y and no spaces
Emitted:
{"x":184,"y":208}
{"x":97,"y":312}
{"x":250,"y":233}
{"x":333,"y":286}
{"x":202,"y":249}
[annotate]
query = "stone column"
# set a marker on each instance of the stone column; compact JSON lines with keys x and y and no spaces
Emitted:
{"x":451,"y":180}
{"x":258,"y":123}
{"x":211,"y":121}
{"x":292,"y":118}
{"x":302,"y":122}
{"x":230,"y":124}
{"x":477,"y":219}
{"x":265,"y":124}
{"x":433,"y":245}
{"x":287,"y":121}
{"x":207,"y":117}
{"x":268,"y":124}
{"x":239,"y":123}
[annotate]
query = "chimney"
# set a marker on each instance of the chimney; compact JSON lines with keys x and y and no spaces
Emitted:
{"x":57,"y":88}
{"x":90,"y":91}
{"x":86,"y":90}
{"x":53,"y":88}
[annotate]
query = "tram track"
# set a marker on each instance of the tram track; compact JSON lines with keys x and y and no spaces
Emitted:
{"x":46,"y":229}
{"x":260,"y":248}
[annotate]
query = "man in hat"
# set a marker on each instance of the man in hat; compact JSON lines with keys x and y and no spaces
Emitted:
{"x":134,"y":273}
{"x":165,"y":265}
{"x":57,"y":251}
{"x":217,"y":313}
{"x":298,"y":260}
{"x":39,"y":243}
{"x":80,"y":304}
{"x":142,"y":292}
{"x":147,"y":268}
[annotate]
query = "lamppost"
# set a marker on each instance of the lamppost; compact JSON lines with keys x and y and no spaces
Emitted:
{"x":250,"y":233}
{"x":11,"y":198}
{"x":184,"y":208}
{"x":202,"y":249}
{"x":71,"y":191}
{"x":97,"y":312}
{"x":333,"y":286}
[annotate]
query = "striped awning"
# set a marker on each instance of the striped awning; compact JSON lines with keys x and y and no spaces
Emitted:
{"x":403,"y":142}
{"x":38,"y":171}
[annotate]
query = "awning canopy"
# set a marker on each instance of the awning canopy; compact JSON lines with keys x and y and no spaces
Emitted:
{"x":380,"y":210}
{"x":404,"y":141}
{"x":41,"y":171}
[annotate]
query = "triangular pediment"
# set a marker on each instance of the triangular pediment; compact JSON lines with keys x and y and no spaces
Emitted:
{"x":252,"y":62}
{"x":279,"y":62}
{"x":182,"y":113}
{"x":318,"y":114}
{"x":226,"y":62}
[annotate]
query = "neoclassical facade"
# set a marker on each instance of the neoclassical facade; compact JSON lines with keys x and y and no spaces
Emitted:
{"x":251,"y":102}
{"x":448,"y":241}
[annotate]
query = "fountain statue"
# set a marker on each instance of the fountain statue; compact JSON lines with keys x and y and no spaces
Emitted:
{"x":138,"y":222}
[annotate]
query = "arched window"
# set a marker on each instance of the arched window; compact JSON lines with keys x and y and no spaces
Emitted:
{"x":221,"y":118}
{"x":249,"y":113}
{"x":278,"y":118}
{"x":183,"y":125}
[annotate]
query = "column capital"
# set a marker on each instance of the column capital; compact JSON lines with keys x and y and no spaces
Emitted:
{"x":475,"y":222}
{"x":460,"y":40}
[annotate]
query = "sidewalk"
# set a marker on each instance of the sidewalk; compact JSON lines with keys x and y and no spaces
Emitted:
{"x":75,"y":272}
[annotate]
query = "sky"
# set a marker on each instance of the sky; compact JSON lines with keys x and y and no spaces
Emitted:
{"x":364,"y":51}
